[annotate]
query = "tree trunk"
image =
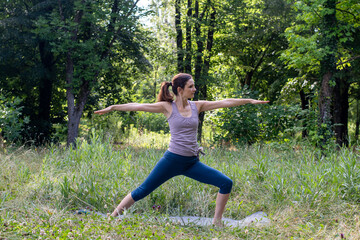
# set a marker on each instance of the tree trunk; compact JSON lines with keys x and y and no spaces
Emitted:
{"x":248,"y":77}
{"x":328,"y":68}
{"x":179,"y":37}
{"x":341,"y":109}
{"x":72,"y":123}
{"x":75,"y":111}
{"x":45,"y":92}
{"x":199,"y":53}
{"x":304,"y":106}
{"x":325,"y":97}
{"x":198,"y":66}
{"x":357,"y":124}
{"x":188,"y":54}
{"x":209,"y":42}
{"x":155,"y":87}
{"x":206,"y":67}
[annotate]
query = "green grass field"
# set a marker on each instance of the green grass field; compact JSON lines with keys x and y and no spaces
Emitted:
{"x":307,"y":195}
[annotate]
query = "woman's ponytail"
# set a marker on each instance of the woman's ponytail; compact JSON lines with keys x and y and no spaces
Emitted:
{"x":165,"y":94}
{"x":179,"y":80}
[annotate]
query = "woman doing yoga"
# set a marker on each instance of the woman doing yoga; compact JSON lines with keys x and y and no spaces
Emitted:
{"x":182,"y":156}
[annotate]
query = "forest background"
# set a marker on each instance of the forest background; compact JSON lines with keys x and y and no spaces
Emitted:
{"x":61,"y":60}
{"x":295,"y":158}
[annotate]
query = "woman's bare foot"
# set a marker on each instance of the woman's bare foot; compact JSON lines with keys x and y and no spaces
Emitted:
{"x":218,"y":223}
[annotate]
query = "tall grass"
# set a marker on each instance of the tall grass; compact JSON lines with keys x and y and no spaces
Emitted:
{"x":306,"y":193}
{"x":265,"y":178}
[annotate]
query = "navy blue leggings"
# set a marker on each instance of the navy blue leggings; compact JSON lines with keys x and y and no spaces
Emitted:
{"x":171,"y":165}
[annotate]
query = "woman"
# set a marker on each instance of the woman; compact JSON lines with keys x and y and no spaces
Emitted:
{"x":182,"y":156}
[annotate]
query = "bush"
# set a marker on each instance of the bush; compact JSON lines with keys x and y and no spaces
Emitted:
{"x":252,"y":123}
{"x":152,"y":122}
{"x":11,"y":121}
{"x":115,"y":125}
{"x":277,"y":121}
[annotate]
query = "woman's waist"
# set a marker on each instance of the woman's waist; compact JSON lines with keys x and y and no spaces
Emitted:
{"x":186,"y":144}
{"x":184,"y":149}
{"x":180,"y":156}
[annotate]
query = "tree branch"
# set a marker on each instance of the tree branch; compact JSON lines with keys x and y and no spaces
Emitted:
{"x":132,"y":8}
{"x":349,"y":60}
{"x":261,"y":58}
{"x":61,"y":13}
{"x":341,"y":10}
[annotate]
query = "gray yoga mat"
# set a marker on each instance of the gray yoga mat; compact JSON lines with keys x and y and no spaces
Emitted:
{"x":255,"y":219}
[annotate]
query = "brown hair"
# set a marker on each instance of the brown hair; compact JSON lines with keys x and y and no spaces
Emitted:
{"x":179,"y":80}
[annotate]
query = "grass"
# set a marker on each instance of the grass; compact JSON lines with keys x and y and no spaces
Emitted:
{"x":306,"y":194}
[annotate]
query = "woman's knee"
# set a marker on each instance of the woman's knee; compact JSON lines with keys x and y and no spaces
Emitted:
{"x":139,"y":193}
{"x":226,"y":186}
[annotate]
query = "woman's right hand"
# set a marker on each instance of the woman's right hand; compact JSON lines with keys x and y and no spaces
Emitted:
{"x":103,"y":111}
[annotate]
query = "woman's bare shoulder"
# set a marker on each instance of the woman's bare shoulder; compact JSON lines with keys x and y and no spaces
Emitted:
{"x":199,"y":104}
{"x":167,"y":106}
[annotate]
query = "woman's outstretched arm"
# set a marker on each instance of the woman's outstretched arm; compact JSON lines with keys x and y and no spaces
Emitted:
{"x":232,"y":102}
{"x":159,"y":107}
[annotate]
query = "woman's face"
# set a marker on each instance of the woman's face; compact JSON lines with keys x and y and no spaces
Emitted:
{"x":189,"y":89}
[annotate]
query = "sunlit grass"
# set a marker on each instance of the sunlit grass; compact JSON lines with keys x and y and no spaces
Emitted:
{"x":306,"y":193}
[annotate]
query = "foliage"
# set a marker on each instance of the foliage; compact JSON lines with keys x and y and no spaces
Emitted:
{"x":12,"y":123}
{"x":253,"y":123}
{"x":304,"y":52}
{"x":322,"y":50}
{"x":96,"y":41}
{"x":249,"y":45}
{"x":102,"y":40}
{"x":161,"y":52}
{"x":152,"y":122}
{"x":28,"y":69}
{"x":90,"y":43}
{"x":114,"y":125}
{"x":272,"y":47}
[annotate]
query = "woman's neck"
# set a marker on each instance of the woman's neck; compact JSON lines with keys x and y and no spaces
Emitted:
{"x":181,"y":102}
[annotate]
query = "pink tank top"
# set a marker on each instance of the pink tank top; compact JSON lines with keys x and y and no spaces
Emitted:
{"x":183,"y":131}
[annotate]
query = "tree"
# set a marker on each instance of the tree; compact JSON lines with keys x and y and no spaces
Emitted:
{"x":87,"y":35}
{"x":204,"y":41}
{"x":188,"y":49}
{"x":328,"y":41}
{"x":27,"y":69}
{"x":320,"y":42}
{"x":179,"y":37}
{"x":162,"y":50}
{"x":250,"y":45}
